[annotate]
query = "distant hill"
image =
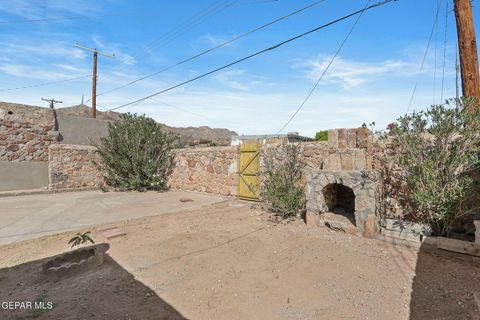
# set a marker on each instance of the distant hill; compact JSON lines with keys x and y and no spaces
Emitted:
{"x":194,"y":135}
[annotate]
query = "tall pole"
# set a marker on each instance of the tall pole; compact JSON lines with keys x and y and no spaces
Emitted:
{"x":52,"y":102}
{"x":467,"y":45}
{"x":94,"y":84}
{"x":94,"y":75}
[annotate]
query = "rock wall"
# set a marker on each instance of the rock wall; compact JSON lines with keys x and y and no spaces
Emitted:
{"x":212,"y":170}
{"x":26,"y":132}
{"x":72,"y":167}
{"x":321,"y":155}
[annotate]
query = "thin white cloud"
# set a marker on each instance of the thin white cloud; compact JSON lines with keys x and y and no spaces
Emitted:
{"x":28,"y":49}
{"x":33,"y":72}
{"x":349,"y":73}
{"x":51,"y":9}
{"x":239,"y":79}
{"x":216,"y":40}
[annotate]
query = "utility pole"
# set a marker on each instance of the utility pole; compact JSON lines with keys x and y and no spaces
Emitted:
{"x":52,"y":102}
{"x":94,"y":77}
{"x":467,"y":45}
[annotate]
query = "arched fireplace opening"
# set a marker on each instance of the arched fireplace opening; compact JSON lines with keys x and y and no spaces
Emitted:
{"x":340,"y":199}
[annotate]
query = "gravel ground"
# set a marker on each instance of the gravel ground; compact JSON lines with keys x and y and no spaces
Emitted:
{"x":229,"y":261}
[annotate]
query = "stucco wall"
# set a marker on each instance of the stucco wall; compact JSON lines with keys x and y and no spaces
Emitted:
{"x":23,"y":175}
{"x":212,"y":170}
{"x":71,"y":166}
{"x":79,"y":130}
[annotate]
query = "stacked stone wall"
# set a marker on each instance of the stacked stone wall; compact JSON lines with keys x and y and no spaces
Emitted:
{"x":72,"y":167}
{"x":322,"y":156}
{"x":212,"y":170}
{"x":26,"y":132}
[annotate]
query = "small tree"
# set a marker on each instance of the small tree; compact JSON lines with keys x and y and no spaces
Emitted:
{"x":429,"y":162}
{"x":81,"y":238}
{"x":136,"y":154}
{"x":321,"y":135}
{"x":282,"y":187}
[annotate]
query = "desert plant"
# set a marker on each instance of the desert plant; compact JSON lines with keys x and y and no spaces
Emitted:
{"x":429,"y":161}
{"x":81,"y":238}
{"x":321,"y":135}
{"x":136,"y":154}
{"x":282,"y":173}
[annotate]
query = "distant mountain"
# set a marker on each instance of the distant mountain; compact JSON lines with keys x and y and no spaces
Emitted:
{"x":194,"y":135}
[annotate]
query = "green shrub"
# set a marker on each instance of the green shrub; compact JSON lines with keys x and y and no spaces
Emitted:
{"x":432,"y":156}
{"x":282,"y":189}
{"x":136,"y":154}
{"x":321,"y":135}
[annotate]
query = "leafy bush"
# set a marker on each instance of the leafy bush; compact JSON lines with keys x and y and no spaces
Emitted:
{"x":136,"y":154}
{"x":430,"y":158}
{"x":282,"y":174}
{"x":321,"y":135}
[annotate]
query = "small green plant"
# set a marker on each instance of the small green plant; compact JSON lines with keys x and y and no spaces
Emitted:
{"x":321,"y":135}
{"x":136,"y":154}
{"x":282,"y":187}
{"x":81,"y":238}
{"x":430,"y":161}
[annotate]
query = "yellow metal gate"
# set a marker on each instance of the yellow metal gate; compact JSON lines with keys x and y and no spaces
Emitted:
{"x":249,"y":171}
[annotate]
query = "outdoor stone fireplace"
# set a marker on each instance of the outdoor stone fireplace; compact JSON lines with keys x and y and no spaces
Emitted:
{"x":348,"y":198}
{"x":340,"y":199}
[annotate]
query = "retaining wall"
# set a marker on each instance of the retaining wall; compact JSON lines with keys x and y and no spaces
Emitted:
{"x":80,"y":130}
{"x":23,"y":175}
{"x":212,"y":170}
{"x":72,"y":167}
{"x":26,"y":132}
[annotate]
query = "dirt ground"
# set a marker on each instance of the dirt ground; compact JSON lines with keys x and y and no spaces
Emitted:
{"x":229,"y":261}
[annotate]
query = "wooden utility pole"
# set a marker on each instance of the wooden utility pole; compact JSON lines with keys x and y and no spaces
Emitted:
{"x":467,"y":45}
{"x":52,"y":102}
{"x":94,"y":75}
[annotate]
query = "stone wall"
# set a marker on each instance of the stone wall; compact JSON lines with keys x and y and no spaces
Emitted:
{"x":72,"y":167}
{"x":212,"y":170}
{"x":26,"y":132}
{"x":348,"y":138}
{"x":323,"y":156}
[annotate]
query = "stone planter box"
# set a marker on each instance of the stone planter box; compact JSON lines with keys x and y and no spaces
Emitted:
{"x":477,"y":231}
{"x":74,"y":262}
{"x":414,"y":235}
{"x":404,"y":230}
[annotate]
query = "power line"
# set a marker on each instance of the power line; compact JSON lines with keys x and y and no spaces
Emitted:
{"x":216,"y":47}
{"x":435,"y":61}
{"x":324,"y":71}
{"x":198,"y":21}
{"x":425,"y":56}
{"x":444,"y":51}
{"x":45,"y":83}
{"x":187,"y":25}
{"x":190,"y":21}
{"x":378,"y":4}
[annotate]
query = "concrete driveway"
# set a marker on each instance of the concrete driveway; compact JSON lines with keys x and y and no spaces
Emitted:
{"x":32,"y":216}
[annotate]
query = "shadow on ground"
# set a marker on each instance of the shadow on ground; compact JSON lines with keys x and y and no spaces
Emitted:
{"x":107,"y":292}
{"x":444,"y":286}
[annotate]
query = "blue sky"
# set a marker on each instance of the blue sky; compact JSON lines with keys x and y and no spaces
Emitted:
{"x":371,"y":80}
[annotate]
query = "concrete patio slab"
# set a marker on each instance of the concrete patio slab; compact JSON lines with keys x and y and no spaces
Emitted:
{"x":32,"y":216}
